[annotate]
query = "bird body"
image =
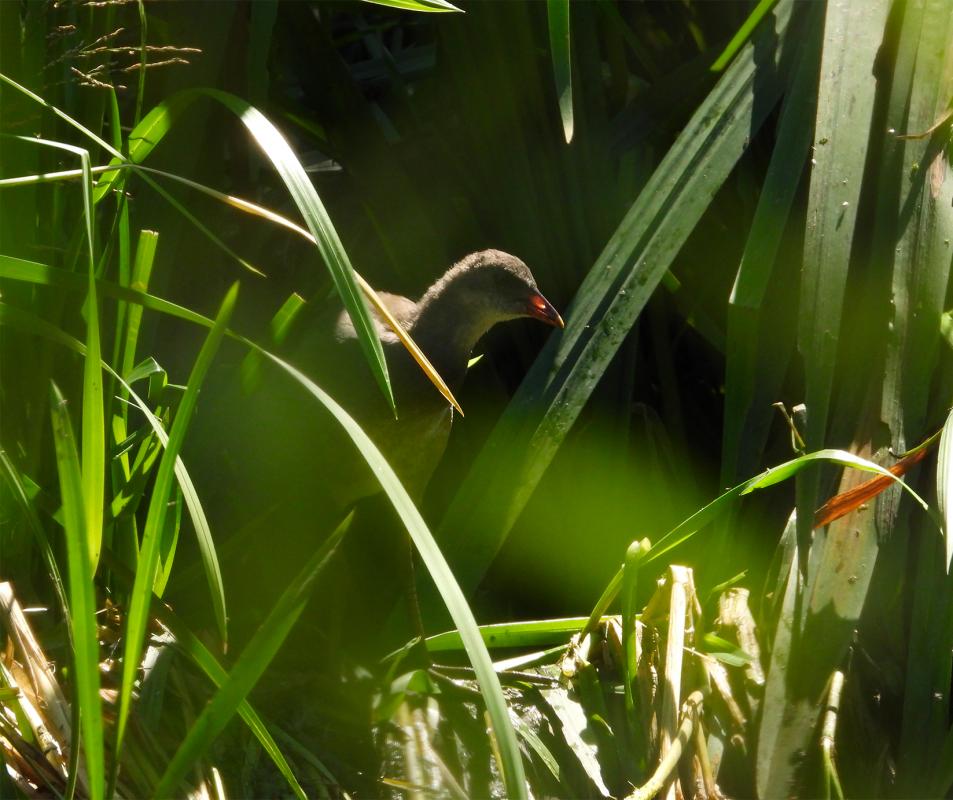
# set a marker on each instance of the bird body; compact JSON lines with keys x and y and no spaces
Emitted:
{"x":285,"y":471}
{"x":472,"y":296}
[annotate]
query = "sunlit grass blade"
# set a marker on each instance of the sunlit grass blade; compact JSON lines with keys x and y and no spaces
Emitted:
{"x":20,"y":269}
{"x":610,"y":299}
{"x":319,"y":224}
{"x":743,"y":34}
{"x":280,"y":326}
{"x":169,"y":541}
{"x":141,"y":273}
{"x":630,"y":660}
{"x":94,"y":426}
{"x":140,"y":598}
{"x":528,"y":633}
{"x":249,"y":667}
{"x":560,"y":51}
{"x":82,"y":598}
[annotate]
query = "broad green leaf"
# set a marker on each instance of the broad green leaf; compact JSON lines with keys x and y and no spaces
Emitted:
{"x":759,"y":347}
{"x":607,"y":304}
{"x":915,"y":212}
{"x":845,"y":102}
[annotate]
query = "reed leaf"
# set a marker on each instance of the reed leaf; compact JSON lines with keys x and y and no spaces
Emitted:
{"x":606,"y":305}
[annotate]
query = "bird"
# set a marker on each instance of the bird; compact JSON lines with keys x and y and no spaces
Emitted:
{"x":477,"y":292}
{"x":285,"y":473}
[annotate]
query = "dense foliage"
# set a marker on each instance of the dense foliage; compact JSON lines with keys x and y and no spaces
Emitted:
{"x":735,"y":206}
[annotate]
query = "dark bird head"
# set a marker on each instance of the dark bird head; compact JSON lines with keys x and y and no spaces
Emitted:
{"x":490,"y":287}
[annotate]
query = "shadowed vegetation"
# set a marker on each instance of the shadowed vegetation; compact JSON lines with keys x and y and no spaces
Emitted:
{"x":742,"y":210}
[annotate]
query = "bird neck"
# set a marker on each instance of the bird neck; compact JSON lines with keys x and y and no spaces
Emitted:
{"x":447,"y":329}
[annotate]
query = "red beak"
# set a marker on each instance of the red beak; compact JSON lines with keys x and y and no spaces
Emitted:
{"x":540,"y":308}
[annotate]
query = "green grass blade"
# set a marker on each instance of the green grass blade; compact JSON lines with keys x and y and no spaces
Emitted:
{"x":559,"y":49}
{"x":249,"y":667}
{"x":316,"y":217}
{"x":93,"y":427}
{"x":82,"y":597}
{"x":128,"y":320}
{"x":281,"y":324}
{"x":185,"y":639}
{"x":32,"y":324}
{"x":607,"y":304}
{"x":141,"y":596}
{"x":529,"y":633}
{"x":743,"y":34}
{"x":20,"y":269}
{"x":141,"y":273}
